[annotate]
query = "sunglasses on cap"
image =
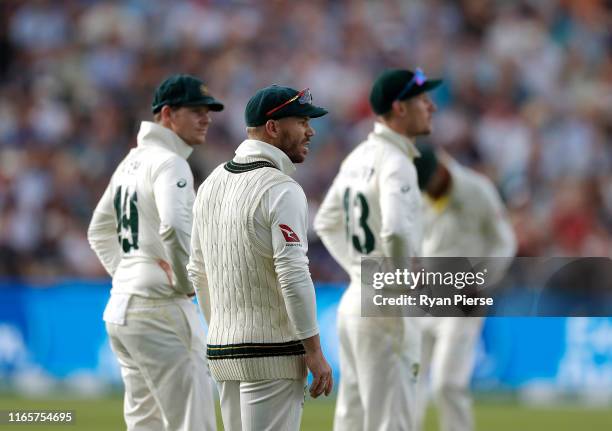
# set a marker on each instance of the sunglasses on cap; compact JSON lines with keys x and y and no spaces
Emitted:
{"x":419,"y":79}
{"x":303,"y":97}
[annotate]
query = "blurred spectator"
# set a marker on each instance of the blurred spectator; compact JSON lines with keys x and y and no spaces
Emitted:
{"x":527,"y":100}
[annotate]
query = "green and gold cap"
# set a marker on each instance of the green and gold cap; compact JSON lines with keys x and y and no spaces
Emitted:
{"x":398,"y":84}
{"x":184,"y":90}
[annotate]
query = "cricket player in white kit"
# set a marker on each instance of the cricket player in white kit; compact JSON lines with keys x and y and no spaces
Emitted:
{"x":140,"y":230}
{"x":373,"y":209}
{"x":464,"y":217}
{"x":248,"y":261}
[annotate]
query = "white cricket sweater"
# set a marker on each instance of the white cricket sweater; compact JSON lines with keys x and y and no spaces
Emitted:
{"x":472,"y":222}
{"x":144,"y":216}
{"x":373,"y":208}
{"x":248,"y":264}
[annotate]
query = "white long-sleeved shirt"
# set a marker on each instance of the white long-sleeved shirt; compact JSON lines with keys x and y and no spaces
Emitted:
{"x":249,"y":266}
{"x":470,"y":221}
{"x":373,"y":207}
{"x":145,"y":216}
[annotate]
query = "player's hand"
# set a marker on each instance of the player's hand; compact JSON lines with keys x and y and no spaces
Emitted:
{"x":167,"y":269}
{"x":322,"y":379}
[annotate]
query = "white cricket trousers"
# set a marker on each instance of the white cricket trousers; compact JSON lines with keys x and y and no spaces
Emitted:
{"x":265,"y":405}
{"x":161,"y":351}
{"x":378,"y":366}
{"x":448,"y":353}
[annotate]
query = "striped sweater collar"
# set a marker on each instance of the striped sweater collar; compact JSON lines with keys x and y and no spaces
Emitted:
{"x":252,"y":150}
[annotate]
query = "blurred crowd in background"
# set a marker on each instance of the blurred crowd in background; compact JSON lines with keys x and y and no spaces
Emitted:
{"x":527,"y":100}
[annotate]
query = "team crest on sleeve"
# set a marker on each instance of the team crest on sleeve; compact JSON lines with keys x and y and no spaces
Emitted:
{"x":288,"y":233}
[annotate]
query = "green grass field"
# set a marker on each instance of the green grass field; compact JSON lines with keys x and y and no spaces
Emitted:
{"x":105,"y":415}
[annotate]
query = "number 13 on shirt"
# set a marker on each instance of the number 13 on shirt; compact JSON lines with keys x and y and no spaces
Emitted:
{"x":356,"y":212}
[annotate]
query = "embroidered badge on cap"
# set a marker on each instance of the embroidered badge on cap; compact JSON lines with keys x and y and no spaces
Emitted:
{"x":288,"y":233}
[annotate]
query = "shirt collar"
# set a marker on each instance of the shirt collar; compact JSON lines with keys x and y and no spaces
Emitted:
{"x":154,"y":135}
{"x":404,"y":143}
{"x":252,"y":150}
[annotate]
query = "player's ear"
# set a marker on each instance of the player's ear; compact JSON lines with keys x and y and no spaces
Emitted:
{"x":398,"y":108}
{"x":272,"y":128}
{"x":166,"y":113}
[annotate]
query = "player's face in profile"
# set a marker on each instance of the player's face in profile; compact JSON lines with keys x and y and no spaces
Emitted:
{"x":419,"y":115}
{"x":191,"y":123}
{"x":294,"y":137}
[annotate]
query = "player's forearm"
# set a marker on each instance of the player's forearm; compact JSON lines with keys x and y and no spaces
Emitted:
{"x":176,"y":245}
{"x":398,"y":246}
{"x":108,"y":254}
{"x":199,"y":280}
{"x":312,"y":345}
{"x":503,"y":243}
{"x":196,"y":271}
{"x":328,"y":225}
{"x":336,"y":245}
{"x":299,"y":295}
{"x":327,"y":221}
{"x":401,"y":228}
{"x":102,"y":238}
{"x":502,"y":251}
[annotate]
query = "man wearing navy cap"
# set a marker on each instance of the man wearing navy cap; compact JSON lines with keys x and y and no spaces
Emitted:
{"x":248,"y":261}
{"x":373,"y":209}
{"x":140,"y":231}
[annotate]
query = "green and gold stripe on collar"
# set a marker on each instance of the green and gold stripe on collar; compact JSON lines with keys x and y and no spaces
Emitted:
{"x":239,"y":168}
{"x":254,"y":350}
